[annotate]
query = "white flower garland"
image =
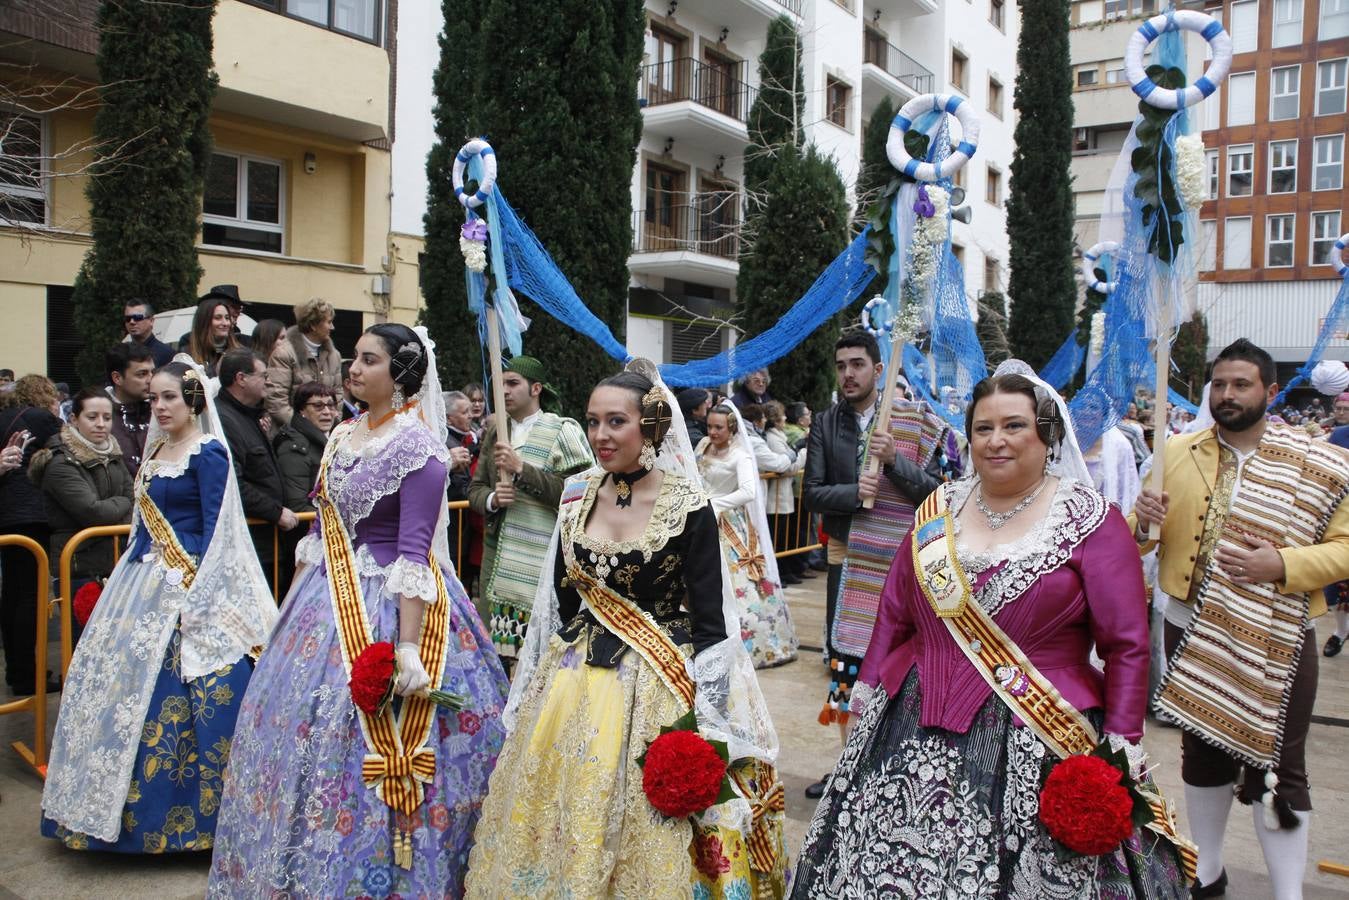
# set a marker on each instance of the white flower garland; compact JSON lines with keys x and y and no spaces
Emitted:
{"x":1097,"y":333}
{"x":475,"y":254}
{"x":1191,"y":170}
{"x":929,"y":235}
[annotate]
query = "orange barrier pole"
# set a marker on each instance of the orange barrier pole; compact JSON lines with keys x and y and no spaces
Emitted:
{"x":66,"y":598}
{"x":36,"y":756}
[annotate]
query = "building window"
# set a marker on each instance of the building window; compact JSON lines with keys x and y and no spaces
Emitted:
{"x":1325,"y":232}
{"x":1119,"y":9}
{"x":960,"y":64}
{"x":1115,"y":75}
{"x":1208,"y":245}
{"x":1211,"y":159}
{"x":357,"y":18}
{"x":1330,"y":87}
{"x":993,"y":186}
{"x":1278,"y":242}
{"x":1328,"y":163}
{"x":997,"y":15}
{"x":1241,"y":99}
{"x":1088,"y":77}
{"x":1334,"y":19}
{"x":1240,"y":169}
{"x":1287,"y":23}
{"x":838,"y":97}
{"x":242,"y":203}
{"x":1282,"y":167}
{"x":1245,"y":17}
{"x":991,"y":275}
{"x":958,"y":179}
{"x":1283,"y":92}
{"x":995,"y":96}
{"x":1237,"y":243}
{"x":23,"y":198}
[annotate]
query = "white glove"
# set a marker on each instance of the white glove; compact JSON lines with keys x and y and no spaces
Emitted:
{"x":412,"y":677}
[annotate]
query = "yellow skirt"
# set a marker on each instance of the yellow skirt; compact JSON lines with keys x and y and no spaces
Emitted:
{"x":565,"y":814}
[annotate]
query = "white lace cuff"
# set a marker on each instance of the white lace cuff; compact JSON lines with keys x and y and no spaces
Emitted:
{"x":411,"y":579}
{"x":310,"y":550}
{"x":1137,"y":756}
{"x":860,"y":697}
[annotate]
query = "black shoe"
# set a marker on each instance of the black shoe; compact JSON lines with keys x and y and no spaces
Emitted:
{"x":816,"y":790}
{"x":788,"y":578}
{"x":1216,"y":888}
{"x":820,"y":566}
{"x":28,"y":690}
{"x":808,"y":573}
{"x":1334,"y":644}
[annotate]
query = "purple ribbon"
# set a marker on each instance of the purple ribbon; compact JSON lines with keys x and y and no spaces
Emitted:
{"x":476,"y":230}
{"x":924,"y":205}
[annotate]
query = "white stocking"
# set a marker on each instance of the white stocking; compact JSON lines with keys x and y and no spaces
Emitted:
{"x":1206,"y":808}
{"x":1342,"y":622}
{"x":1285,"y":852}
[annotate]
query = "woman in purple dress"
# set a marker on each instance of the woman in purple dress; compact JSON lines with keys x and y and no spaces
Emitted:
{"x":325,"y":800}
{"x":937,"y":793}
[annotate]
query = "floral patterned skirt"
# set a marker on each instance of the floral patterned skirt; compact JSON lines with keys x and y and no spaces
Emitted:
{"x":178,"y":775}
{"x":765,"y":621}
{"x":297,"y":819}
{"x":915,"y":812}
{"x":566,"y":815}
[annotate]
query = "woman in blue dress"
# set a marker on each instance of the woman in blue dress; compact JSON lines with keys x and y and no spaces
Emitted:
{"x":138,"y":758}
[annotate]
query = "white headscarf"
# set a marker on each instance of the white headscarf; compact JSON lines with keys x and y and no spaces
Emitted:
{"x":728,"y":703}
{"x":755,"y":510}
{"x":1067,"y":460}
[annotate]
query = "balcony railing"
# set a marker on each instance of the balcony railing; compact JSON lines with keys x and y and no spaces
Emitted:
{"x":718,"y":88}
{"x":885,"y":55}
{"x":708,"y":223}
{"x":792,"y":6}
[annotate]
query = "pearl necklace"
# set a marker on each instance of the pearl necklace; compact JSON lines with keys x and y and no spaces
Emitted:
{"x":998,"y":519}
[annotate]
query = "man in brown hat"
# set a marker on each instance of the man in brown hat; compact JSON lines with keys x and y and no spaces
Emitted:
{"x":517,"y":488}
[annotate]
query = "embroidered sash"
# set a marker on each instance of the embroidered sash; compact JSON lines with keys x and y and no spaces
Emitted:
{"x":767,"y":797}
{"x":1231,"y":677}
{"x":399,"y":760}
{"x":749,"y":556}
{"x":996,"y":657}
{"x":877,"y":533}
{"x":181,"y":571}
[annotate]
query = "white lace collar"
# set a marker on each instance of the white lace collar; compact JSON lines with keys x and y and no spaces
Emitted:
{"x":1037,"y":540}
{"x":157,"y":468}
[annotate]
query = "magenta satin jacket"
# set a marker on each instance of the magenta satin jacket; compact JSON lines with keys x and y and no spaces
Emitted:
{"x":1087,"y":586}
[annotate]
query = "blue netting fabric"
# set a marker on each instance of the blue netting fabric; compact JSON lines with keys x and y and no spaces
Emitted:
{"x":1337,"y":323}
{"x":1065,"y":362}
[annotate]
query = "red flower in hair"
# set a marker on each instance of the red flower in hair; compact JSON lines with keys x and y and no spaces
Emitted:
{"x":372,"y":676}
{"x":86,"y":598}
{"x":682,"y":774}
{"x":1085,"y":807}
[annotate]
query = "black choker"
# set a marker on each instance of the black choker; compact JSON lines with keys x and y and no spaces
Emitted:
{"x":623,"y":482}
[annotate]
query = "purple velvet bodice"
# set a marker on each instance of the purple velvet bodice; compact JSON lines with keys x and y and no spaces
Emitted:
{"x":1088,"y":588}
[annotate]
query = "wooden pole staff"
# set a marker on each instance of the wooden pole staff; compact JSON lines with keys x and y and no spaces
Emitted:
{"x":882,"y":422}
{"x":1162,"y":358}
{"x":498,"y":389}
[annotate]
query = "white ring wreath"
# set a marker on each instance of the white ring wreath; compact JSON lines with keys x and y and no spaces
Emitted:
{"x":1337,"y":255}
{"x":926,"y":171}
{"x":1088,"y":269}
{"x":877,"y":328}
{"x":476,"y":147}
{"x":1184,"y":20}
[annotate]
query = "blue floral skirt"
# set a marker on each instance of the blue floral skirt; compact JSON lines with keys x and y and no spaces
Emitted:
{"x":915,"y":812}
{"x":178,"y":778}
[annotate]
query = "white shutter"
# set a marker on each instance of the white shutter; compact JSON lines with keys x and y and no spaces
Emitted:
{"x":1208,"y":245}
{"x":1237,"y":243}
{"x":1245,"y":16}
{"x":1241,"y":99}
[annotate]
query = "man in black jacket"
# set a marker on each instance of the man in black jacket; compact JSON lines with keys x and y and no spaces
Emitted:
{"x":834,"y":485}
{"x":243,"y":384}
{"x":129,"y":367}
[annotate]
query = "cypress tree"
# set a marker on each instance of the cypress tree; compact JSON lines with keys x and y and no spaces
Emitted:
{"x":152,"y":147}
{"x":991,"y":328}
{"x":1040,"y":204}
{"x":876,"y":170}
{"x":557,"y":100}
{"x":1189,"y":356}
{"x":775,"y":116}
{"x":802,"y":227}
{"x":456,"y":86}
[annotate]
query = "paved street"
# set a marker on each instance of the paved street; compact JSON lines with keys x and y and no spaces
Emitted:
{"x":31,"y":867}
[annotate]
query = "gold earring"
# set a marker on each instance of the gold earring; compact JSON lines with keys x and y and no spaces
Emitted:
{"x":647,"y":459}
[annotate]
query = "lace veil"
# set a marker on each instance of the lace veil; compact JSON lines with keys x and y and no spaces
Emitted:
{"x":756,"y":509}
{"x":729,"y":705}
{"x":1068,"y":461}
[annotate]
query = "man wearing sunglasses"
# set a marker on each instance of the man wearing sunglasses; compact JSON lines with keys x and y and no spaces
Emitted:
{"x":139,"y":318}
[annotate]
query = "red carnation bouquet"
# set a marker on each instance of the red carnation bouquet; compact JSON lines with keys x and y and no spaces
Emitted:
{"x":85,"y":599}
{"x":683,"y":773}
{"x":373,"y":674}
{"x":1091,"y":804}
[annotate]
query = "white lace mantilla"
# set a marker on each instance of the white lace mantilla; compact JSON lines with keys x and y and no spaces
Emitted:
{"x":1075,"y":511}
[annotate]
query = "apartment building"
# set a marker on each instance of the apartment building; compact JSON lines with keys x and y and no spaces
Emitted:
{"x":698,"y":80}
{"x":297,"y":195}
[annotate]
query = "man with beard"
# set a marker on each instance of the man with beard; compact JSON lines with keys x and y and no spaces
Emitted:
{"x":835,"y":486}
{"x":1253,"y":524}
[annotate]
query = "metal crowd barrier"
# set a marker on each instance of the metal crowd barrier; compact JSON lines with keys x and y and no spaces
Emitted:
{"x":35,"y":756}
{"x":794,"y":532}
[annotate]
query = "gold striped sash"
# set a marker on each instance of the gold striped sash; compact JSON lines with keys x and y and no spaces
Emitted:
{"x":763,"y":803}
{"x":1014,"y":678}
{"x":176,"y":559}
{"x":399,"y":760}
{"x":748,"y":554}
